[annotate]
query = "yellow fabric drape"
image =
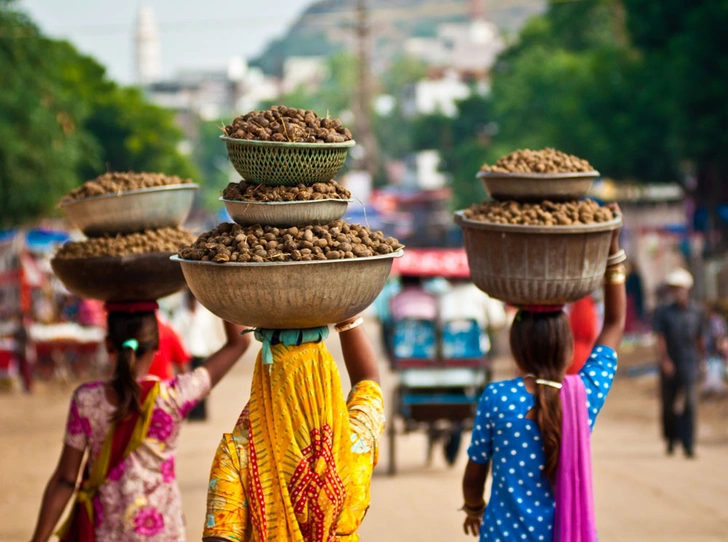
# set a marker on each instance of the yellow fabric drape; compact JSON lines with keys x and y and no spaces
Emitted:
{"x":298,"y":465}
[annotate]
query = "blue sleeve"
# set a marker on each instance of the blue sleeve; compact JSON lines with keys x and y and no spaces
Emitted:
{"x":481,"y":443}
{"x":598,"y":375}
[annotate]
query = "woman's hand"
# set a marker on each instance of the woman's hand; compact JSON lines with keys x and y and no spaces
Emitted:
{"x":472,"y":524}
{"x":614,"y":247}
{"x":474,"y":518}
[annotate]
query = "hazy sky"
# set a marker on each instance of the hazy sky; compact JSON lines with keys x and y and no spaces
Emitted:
{"x":193,"y":33}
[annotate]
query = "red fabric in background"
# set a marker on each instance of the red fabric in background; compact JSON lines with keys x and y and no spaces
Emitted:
{"x":583,"y":320}
{"x":171,"y":352}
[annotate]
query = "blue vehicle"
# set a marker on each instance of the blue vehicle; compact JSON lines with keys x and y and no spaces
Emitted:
{"x":442,"y":366}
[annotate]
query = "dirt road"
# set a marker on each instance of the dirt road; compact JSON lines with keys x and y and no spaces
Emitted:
{"x":641,"y":495}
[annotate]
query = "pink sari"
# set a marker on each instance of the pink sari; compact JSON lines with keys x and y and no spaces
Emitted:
{"x":574,"y":516}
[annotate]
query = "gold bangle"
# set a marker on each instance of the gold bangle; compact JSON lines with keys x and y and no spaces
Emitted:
{"x":615,"y":275}
{"x":349,"y":325}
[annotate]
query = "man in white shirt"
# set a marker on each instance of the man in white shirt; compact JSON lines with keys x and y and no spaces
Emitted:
{"x":465,"y":302}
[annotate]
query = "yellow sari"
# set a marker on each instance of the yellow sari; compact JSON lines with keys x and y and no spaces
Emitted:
{"x":298,"y":465}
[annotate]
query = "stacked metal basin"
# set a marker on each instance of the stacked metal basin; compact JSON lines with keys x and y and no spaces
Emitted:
{"x":544,"y":265}
{"x":287,"y":295}
{"x":136,"y":277}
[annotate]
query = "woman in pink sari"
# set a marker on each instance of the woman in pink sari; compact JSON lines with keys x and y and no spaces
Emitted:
{"x":129,"y":425}
{"x":533,"y":431}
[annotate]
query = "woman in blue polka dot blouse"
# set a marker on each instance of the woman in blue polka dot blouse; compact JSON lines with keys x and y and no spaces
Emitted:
{"x":533,"y":431}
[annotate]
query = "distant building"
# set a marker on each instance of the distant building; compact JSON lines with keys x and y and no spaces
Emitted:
{"x":213,"y":94}
{"x":148,"y":50}
{"x":423,"y":171}
{"x":303,"y":70}
{"x":469,"y":48}
{"x":430,"y":96}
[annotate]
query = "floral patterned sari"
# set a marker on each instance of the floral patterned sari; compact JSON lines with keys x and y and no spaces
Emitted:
{"x":139,"y":499}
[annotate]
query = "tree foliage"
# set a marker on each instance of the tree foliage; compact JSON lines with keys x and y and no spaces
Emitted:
{"x":63,"y":121}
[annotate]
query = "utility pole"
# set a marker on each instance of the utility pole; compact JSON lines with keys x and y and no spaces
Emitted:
{"x":364,"y":131}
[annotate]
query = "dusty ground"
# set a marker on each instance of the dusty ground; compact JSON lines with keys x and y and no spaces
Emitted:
{"x":641,"y":495}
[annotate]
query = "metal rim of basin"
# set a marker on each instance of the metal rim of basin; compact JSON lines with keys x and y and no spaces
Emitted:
{"x":396,"y":254}
{"x":152,"y":189}
{"x":537,"y":176}
{"x":460,"y":220}
{"x":286,"y":213}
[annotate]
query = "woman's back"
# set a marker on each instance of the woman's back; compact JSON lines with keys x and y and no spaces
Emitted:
{"x":521,"y":505}
{"x":140,"y":498}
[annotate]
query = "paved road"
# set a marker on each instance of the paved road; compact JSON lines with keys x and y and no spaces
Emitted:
{"x":641,"y":495}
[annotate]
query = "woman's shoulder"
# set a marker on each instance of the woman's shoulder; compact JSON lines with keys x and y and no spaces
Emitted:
{"x":89,"y":389}
{"x":504,"y":389}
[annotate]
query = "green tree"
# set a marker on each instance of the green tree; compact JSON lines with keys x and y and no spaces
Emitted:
{"x":40,"y":120}
{"x":63,"y":121}
{"x":134,"y":134}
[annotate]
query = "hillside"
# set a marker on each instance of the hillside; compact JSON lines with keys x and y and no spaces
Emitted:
{"x":328,"y":25}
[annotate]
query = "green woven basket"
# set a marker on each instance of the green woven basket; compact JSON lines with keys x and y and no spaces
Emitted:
{"x":274,"y":163}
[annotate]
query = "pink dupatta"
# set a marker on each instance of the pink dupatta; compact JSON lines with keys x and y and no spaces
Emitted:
{"x":574,"y":515}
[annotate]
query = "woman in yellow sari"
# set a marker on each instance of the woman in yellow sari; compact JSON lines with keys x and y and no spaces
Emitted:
{"x":298,"y":464}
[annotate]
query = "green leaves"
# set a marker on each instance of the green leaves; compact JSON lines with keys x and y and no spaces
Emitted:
{"x":62,"y":121}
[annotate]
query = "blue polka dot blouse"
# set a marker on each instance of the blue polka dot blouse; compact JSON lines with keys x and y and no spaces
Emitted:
{"x":521,"y":504}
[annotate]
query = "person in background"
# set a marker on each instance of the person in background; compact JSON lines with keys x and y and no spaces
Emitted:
{"x":24,"y":353}
{"x":128,"y":428}
{"x":635,"y":300}
{"x":464,"y":301}
{"x":413,"y":301}
{"x":681,"y":327}
{"x":171,"y":358}
{"x":717,"y":329}
{"x":202,"y":333}
{"x":585,"y":329}
{"x":717,"y":349}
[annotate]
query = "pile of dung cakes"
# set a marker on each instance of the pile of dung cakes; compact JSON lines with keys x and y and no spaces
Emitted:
{"x":538,"y":241}
{"x":132,"y":223}
{"x":287,"y":260}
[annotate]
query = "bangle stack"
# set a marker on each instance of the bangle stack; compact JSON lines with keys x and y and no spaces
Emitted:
{"x":473,"y":511}
{"x":346,"y":326}
{"x":618,"y":257}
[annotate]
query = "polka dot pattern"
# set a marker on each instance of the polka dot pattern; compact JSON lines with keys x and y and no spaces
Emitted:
{"x":521,"y":504}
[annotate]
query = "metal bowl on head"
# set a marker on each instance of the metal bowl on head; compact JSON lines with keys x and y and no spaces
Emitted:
{"x":538,"y":186}
{"x":286,"y":213}
{"x":280,"y":163}
{"x":137,"y":277}
{"x":131,"y":211}
{"x":288,"y":295}
{"x":544,"y":265}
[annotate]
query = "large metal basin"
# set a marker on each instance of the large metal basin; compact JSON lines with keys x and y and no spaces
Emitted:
{"x":288,"y":295}
{"x":132,"y":211}
{"x":286,"y":213}
{"x":538,"y":186}
{"x":548,"y":265}
{"x":138,"y":277}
